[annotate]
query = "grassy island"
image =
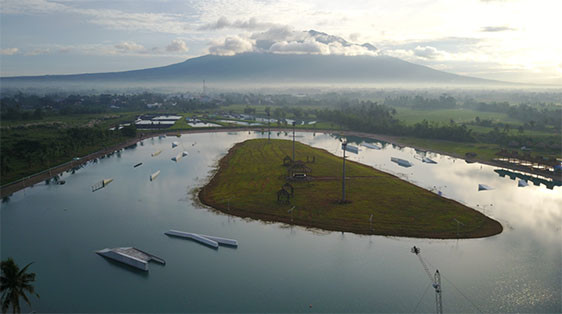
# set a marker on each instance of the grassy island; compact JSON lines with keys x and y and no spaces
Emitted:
{"x":250,"y":176}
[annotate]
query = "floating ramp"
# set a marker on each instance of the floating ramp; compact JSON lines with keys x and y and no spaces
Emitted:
{"x":154,"y":175}
{"x":484,"y":187}
{"x":156,"y":153}
{"x":101,"y":184}
{"x":192,"y":236}
{"x":178,"y":157}
{"x":371,"y":146}
{"x":131,"y":256}
{"x":428,"y":160}
{"x":202,"y":238}
{"x":401,"y":162}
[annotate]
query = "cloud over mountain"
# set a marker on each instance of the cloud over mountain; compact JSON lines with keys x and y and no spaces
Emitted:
{"x":283,"y":39}
{"x":177,"y":45}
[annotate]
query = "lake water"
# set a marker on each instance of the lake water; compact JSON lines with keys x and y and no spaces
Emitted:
{"x":276,"y":268}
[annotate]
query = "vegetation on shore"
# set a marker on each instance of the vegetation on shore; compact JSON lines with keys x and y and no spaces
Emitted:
{"x":251,"y":174}
{"x":16,"y":283}
{"x":39,"y":132}
{"x":28,"y":150}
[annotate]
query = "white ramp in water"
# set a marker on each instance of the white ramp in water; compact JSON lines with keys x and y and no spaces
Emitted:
{"x":428,"y":160}
{"x":484,"y":187}
{"x":154,"y":175}
{"x":401,"y":162}
{"x":371,"y":146}
{"x":178,"y":157}
{"x":220,"y":240}
{"x":193,"y":236}
{"x":131,"y":256}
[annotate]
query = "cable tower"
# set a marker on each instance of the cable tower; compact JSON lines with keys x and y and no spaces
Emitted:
{"x":435,"y":281}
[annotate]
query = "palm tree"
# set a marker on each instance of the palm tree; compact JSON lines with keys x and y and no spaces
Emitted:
{"x":14,"y":284}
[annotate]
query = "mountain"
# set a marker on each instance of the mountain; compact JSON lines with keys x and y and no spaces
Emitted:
{"x":270,"y":68}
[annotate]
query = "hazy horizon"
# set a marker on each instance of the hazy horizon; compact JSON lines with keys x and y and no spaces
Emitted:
{"x":511,"y":41}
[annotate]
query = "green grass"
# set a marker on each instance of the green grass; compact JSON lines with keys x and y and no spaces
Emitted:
{"x":484,"y":151}
{"x":181,"y":124}
{"x":512,"y":131}
{"x":104,"y":120}
{"x":249,"y":177}
{"x":459,"y":115}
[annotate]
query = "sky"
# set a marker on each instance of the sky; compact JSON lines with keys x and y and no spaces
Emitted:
{"x":510,"y":40}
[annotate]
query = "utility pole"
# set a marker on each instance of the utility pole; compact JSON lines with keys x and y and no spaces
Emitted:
{"x":293,"y":141}
{"x":268,"y":127}
{"x":344,"y":145}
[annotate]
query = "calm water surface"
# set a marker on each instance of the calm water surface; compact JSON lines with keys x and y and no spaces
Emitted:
{"x":276,"y":268}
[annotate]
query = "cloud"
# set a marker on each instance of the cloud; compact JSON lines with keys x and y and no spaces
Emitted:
{"x":426,"y":52}
{"x":222,"y":23}
{"x":9,"y":51}
{"x":129,"y":46}
{"x":110,"y":18}
{"x":231,"y":46}
{"x":283,"y":39}
{"x":177,"y":45}
{"x":496,"y":29}
{"x":300,"y":47}
{"x":38,"y":51}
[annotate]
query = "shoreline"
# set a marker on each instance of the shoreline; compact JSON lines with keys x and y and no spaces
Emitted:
{"x":33,"y":179}
{"x":204,"y":197}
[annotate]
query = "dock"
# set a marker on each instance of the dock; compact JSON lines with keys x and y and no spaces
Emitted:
{"x":131,"y":256}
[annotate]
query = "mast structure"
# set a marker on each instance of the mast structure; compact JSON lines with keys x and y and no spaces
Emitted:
{"x":435,"y":281}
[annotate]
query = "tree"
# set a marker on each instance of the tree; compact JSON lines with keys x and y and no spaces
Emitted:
{"x":14,"y":284}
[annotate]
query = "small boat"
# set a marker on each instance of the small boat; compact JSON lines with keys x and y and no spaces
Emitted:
{"x":156,"y":153}
{"x":401,"y":162}
{"x":522,"y":183}
{"x":184,"y":153}
{"x":174,"y":144}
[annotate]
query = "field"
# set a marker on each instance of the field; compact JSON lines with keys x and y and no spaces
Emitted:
{"x":460,"y":115}
{"x":252,"y":173}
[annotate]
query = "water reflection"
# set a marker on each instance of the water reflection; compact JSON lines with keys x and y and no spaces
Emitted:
{"x":277,"y":267}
